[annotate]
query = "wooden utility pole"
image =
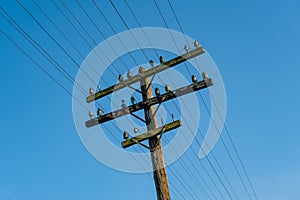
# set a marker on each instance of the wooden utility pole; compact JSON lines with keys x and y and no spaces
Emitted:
{"x":154,"y":133}
{"x":159,"y":171}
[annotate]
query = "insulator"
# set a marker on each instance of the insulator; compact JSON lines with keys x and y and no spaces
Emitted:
{"x":91,"y":91}
{"x":173,"y":119}
{"x":135,"y":130}
{"x":186,"y":47}
{"x":129,"y":74}
{"x":121,"y":78}
{"x":125,"y":135}
{"x":168,"y":88}
{"x":196,"y":44}
{"x":132,"y":100}
{"x":98,"y":87}
{"x":91,"y":114}
{"x":157,"y":92}
{"x":161,"y":60}
{"x":151,"y":63}
{"x":194,"y":79}
{"x":99,"y":112}
{"x":204,"y":76}
{"x":123,"y":105}
{"x":142,"y":70}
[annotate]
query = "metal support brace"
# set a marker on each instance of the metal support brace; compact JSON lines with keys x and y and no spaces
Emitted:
{"x":139,"y":118}
{"x":151,"y":149}
{"x":144,"y":136}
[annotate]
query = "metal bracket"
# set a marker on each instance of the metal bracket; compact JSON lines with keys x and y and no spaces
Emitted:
{"x":137,"y":90}
{"x":141,"y":119}
{"x":150,"y":82}
{"x":160,"y":135}
{"x":155,"y":132}
{"x":143,"y":145}
{"x":151,"y":149}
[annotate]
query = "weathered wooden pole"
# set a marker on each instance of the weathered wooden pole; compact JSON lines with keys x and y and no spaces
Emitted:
{"x":159,"y":171}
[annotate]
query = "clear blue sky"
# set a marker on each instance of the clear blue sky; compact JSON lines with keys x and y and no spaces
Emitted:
{"x":255,"y":44}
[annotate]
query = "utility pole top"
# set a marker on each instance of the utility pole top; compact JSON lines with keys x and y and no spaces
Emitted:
{"x":147,"y":73}
{"x":154,"y":133}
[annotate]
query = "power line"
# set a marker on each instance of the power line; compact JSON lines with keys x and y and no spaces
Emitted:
{"x":40,"y":67}
{"x":54,"y":40}
{"x":65,"y":90}
{"x":44,"y":53}
{"x":124,"y":22}
{"x":235,"y":149}
{"x":236,"y":152}
{"x":239,"y":158}
{"x":106,"y":83}
{"x":177,"y":20}
{"x":148,"y":39}
{"x":173,"y":39}
{"x":141,"y":27}
{"x":61,"y":32}
{"x":210,"y":163}
{"x":112,"y":28}
{"x":86,"y":13}
{"x":190,"y":174}
{"x":140,"y":24}
{"x":101,"y":33}
{"x":89,"y":35}
{"x":57,"y":82}
{"x":39,"y":48}
{"x":48,"y":74}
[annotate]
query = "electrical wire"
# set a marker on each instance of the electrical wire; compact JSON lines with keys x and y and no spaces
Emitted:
{"x":89,"y":35}
{"x":134,"y":17}
{"x":112,"y":28}
{"x":101,"y":33}
{"x":226,"y":129}
{"x":37,"y":64}
{"x":54,"y":40}
{"x":214,"y":102}
{"x":115,"y":8}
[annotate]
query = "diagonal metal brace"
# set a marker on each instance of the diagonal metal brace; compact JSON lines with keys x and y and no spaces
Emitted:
{"x":157,"y":142}
{"x":151,"y":149}
{"x":139,"y":118}
{"x":163,"y":129}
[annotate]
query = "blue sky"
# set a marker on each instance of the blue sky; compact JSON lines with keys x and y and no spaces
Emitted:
{"x":254,"y":45}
